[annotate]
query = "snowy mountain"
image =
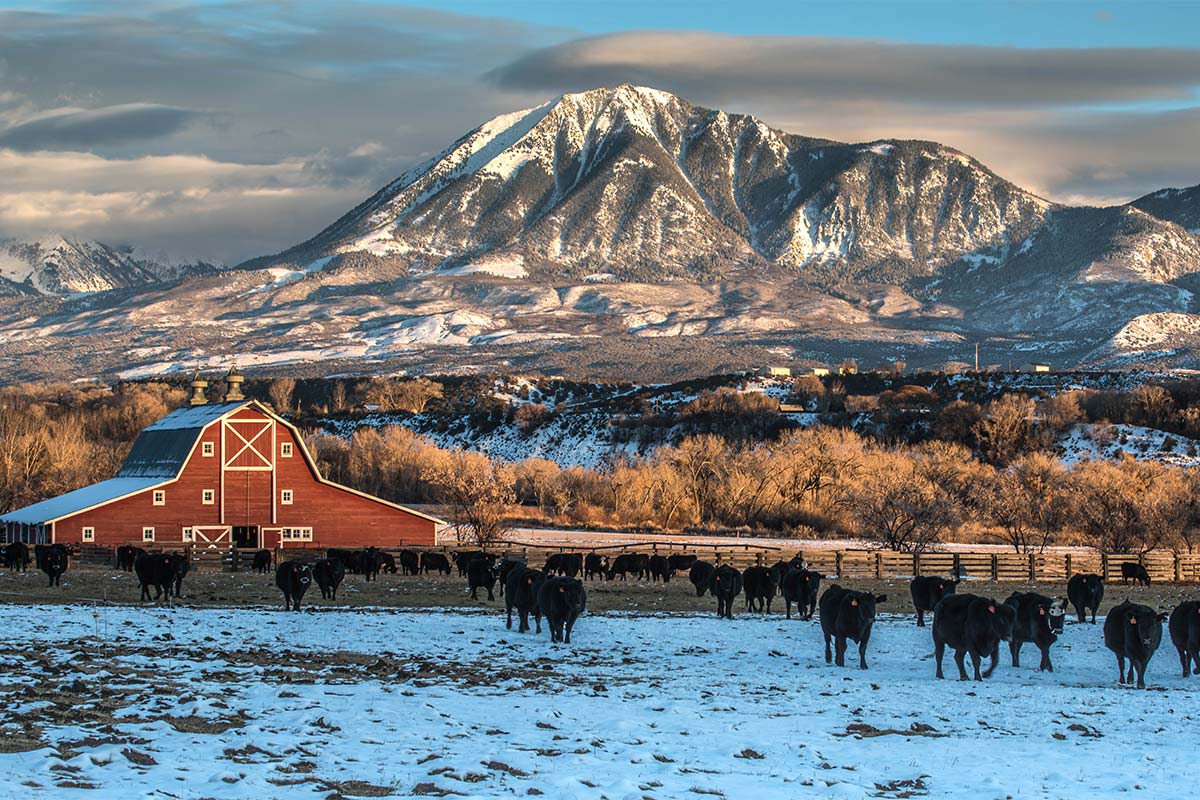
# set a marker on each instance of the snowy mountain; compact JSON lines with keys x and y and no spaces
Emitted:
{"x":626,"y":233}
{"x":1181,"y":206}
{"x":642,"y":184}
{"x":58,"y":265}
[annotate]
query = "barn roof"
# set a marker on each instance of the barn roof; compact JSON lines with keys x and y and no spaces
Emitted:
{"x":161,"y":449}
{"x":79,"y":500}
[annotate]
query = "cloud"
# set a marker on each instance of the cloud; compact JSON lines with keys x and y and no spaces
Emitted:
{"x":73,"y":128}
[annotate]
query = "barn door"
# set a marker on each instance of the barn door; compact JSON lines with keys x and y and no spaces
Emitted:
{"x":249,"y":444}
{"x":212,"y":537}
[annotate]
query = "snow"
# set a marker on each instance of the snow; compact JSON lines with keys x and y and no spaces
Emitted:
{"x":1112,"y":442}
{"x":500,"y":266}
{"x":881,"y":148}
{"x":643,"y":705}
{"x":282,"y":277}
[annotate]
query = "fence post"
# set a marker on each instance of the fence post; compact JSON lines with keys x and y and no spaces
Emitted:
{"x":838,"y":557}
{"x":916,"y":565}
{"x":995,"y":567}
{"x":1032,"y":567}
{"x":1104,"y":566}
{"x":878,"y":564}
{"x":957,"y":567}
{"x":1178,"y":571}
{"x":1068,"y":566}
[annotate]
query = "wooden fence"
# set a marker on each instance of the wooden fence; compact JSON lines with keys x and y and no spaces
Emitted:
{"x":1162,"y":567}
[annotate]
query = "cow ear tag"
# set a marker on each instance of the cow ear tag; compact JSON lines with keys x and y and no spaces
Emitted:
{"x":1133,"y":621}
{"x":1041,"y":612}
{"x":562,"y":589}
{"x":991,"y":609}
{"x":853,"y":602}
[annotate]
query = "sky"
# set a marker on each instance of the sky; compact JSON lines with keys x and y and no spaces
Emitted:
{"x":228,"y":130}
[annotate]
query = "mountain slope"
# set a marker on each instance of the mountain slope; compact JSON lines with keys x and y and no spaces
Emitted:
{"x":1181,"y":206}
{"x":640,"y":183}
{"x":57,"y":265}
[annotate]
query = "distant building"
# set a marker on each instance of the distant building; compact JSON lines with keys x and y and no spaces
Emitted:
{"x":848,"y":367}
{"x":1036,"y":368}
{"x":775,"y":372}
{"x":820,"y":372}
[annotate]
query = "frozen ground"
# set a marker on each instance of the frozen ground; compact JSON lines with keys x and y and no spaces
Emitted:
{"x":264,"y":704}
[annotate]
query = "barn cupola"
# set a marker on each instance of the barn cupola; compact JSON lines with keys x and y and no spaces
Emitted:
{"x":199,"y":387}
{"x":234,"y":381}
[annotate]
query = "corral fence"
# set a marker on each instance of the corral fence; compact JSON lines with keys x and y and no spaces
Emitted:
{"x":1162,"y":567}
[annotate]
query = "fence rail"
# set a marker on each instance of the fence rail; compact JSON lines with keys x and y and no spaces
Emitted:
{"x":1162,"y":567}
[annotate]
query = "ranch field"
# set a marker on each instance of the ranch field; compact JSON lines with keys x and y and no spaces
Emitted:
{"x":408,"y":688}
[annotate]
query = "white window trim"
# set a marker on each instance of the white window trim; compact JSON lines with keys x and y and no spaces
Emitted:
{"x":188,"y":535}
{"x":88,"y":534}
{"x":286,"y":496}
{"x":285,"y":450}
{"x":147,"y":534}
{"x":159,"y":498}
{"x":208,"y":497}
{"x":208,"y":449}
{"x":296,"y":535}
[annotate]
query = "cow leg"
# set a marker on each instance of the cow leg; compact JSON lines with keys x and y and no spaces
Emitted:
{"x":788,"y":607}
{"x":1121,"y":669}
{"x":920,"y":618}
{"x":939,"y":648}
{"x":537,"y":617}
{"x":1046,"y":666}
{"x":570,"y":624}
{"x":1014,"y":647}
{"x":828,"y":652}
{"x":862,"y":649}
{"x":1081,"y":612}
{"x":839,"y":645}
{"x":959,"y":657}
{"x":508,"y":612}
{"x":976,"y":660}
{"x":1196,"y":659}
{"x":1141,"y":674}
{"x":491,"y":597}
{"x":992,"y":668}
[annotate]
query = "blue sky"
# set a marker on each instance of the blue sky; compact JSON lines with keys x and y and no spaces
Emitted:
{"x":226,"y":130}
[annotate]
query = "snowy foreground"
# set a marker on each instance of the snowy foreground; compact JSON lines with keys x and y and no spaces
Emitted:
{"x":264,"y":704}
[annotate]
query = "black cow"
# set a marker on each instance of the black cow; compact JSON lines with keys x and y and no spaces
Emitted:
{"x":387,"y":562}
{"x":569,"y":564}
{"x":1132,"y":571}
{"x":462,"y":559}
{"x":927,"y":591}
{"x":595,"y":565}
{"x":660,"y":568}
{"x":52,"y":559}
{"x":1085,"y":591}
{"x":506,"y":566}
{"x":847,"y":614}
{"x":261,"y":563}
{"x":521,"y":594}
{"x":701,"y":575}
{"x":1184,"y":627}
{"x":183,"y":566}
{"x":410,"y":562}
{"x":1133,"y":631}
{"x":760,"y":584}
{"x":371,"y":561}
{"x":481,"y":574}
{"x":971,"y":624}
{"x":434,"y":562}
{"x":328,"y":573}
{"x":800,"y":586}
{"x":126,"y":555}
{"x":156,"y":570}
{"x":349,"y":558}
{"x":1038,"y":619}
{"x":680,"y":562}
{"x":726,"y":584}
{"x":16,"y":556}
{"x":293,"y":579}
{"x":636,"y":563}
{"x":561,"y":601}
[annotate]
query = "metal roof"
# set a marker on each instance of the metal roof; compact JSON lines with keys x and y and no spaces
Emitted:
{"x":78,"y":500}
{"x":162,"y":448}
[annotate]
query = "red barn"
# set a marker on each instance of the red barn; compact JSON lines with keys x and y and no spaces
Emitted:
{"x":220,"y":474}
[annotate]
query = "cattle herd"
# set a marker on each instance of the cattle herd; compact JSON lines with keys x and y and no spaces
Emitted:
{"x":968,"y":624}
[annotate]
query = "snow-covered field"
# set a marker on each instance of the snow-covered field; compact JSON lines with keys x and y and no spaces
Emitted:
{"x":130,"y":702}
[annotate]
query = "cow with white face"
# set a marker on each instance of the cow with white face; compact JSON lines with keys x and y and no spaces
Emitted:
{"x":1039,"y":619}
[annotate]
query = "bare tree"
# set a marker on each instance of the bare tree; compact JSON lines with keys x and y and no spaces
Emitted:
{"x":1006,"y":428}
{"x":281,"y":392}
{"x":478,"y":492}
{"x":901,"y":509}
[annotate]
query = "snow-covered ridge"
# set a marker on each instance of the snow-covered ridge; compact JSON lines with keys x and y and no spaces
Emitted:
{"x":58,"y":265}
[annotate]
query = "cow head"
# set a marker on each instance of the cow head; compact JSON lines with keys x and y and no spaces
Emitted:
{"x":1057,"y":614}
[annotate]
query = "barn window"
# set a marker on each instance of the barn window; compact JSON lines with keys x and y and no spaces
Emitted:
{"x":208,"y":497}
{"x":188,"y":536}
{"x":285,"y":450}
{"x":296,"y":534}
{"x":285,"y":497}
{"x":89,"y":534}
{"x":208,"y":449}
{"x":160,"y":497}
{"x":147,"y":534}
